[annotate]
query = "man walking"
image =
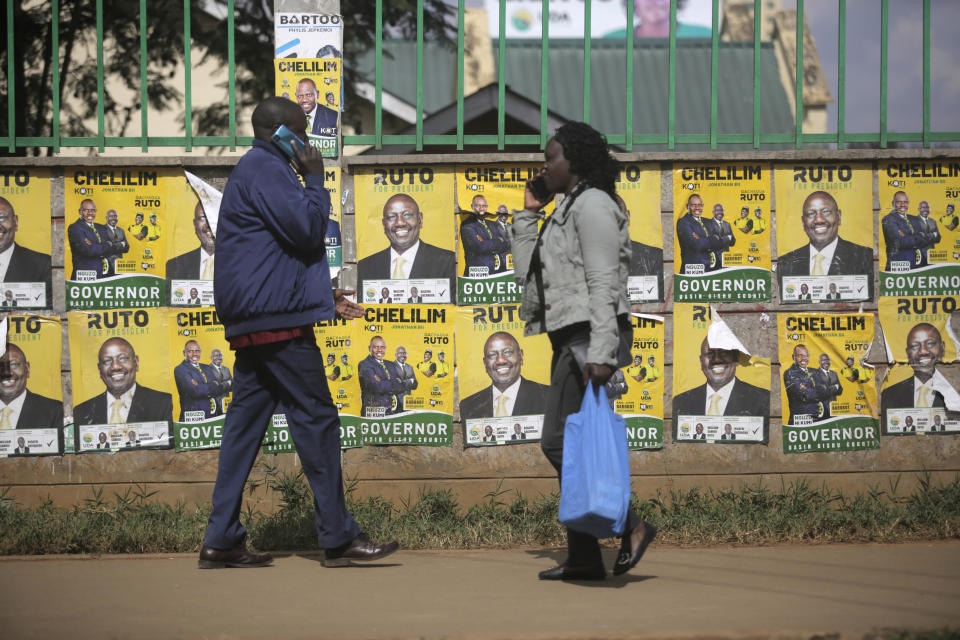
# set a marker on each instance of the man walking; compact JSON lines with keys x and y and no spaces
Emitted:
{"x":266,"y":212}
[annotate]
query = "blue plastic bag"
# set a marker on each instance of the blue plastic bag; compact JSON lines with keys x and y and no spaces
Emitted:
{"x":595,"y":484}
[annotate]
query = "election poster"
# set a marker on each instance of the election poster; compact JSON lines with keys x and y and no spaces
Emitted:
{"x":486,"y":196}
{"x":121,"y":379}
{"x":722,"y":240}
{"x":193,"y":208}
{"x":721,"y":392}
{"x":314,"y":84}
{"x":827,"y":393}
{"x":640,"y":384}
{"x":31,"y":421}
{"x":824,"y":232}
{"x":201,"y":364}
{"x":25,"y":232}
{"x":405,"y":238}
{"x":919,"y":227}
{"x":303,"y":34}
{"x":118,"y":222}
{"x":638,"y":188}
{"x":334,"y":235}
{"x":921,"y":391}
{"x":504,"y":376}
{"x":404,"y":364}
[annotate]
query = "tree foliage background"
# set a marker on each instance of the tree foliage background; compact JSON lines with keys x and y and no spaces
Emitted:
{"x":253,"y":42}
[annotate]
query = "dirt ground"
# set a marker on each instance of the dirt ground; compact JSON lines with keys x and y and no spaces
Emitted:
{"x":770,"y":592}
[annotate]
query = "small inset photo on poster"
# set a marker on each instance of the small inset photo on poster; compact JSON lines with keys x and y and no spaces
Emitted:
{"x":31,"y":395}
{"x":919,"y":228}
{"x":721,"y":253}
{"x":824,"y":232}
{"x":25,"y":273}
{"x":405,"y":237}
{"x":504,"y":376}
{"x":121,"y":379}
{"x":638,"y":196}
{"x":716,"y":381}
{"x":921,"y":391}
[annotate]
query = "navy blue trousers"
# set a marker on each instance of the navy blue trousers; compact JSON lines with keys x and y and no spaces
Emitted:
{"x":290,"y":374}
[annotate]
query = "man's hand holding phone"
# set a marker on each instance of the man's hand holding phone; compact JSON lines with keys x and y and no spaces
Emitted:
{"x":310,"y":160}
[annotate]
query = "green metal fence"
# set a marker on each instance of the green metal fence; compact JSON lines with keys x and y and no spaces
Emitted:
{"x":628,"y":139}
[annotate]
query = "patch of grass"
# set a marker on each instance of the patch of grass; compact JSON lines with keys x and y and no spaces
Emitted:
{"x":799,"y":512}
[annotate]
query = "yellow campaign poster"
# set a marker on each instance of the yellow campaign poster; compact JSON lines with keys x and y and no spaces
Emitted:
{"x":337,"y":341}
{"x":201,"y":364}
{"x":333,"y":236}
{"x":824,"y":232}
{"x":191,"y":246}
{"x":404,"y":360}
{"x":31,"y":394}
{"x":314,"y":84}
{"x":640,"y":384}
{"x":919,"y":227}
{"x":721,"y":393}
{"x":921,"y":393}
{"x":720,"y":254}
{"x":121,"y":379}
{"x":828,"y":394}
{"x":25,"y":228}
{"x":405,"y":239}
{"x":504,"y":376}
{"x":118,"y":221}
{"x":638,"y":187}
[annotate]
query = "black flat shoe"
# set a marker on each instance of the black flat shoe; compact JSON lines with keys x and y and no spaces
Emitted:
{"x":628,"y":559}
{"x":361,"y":549}
{"x":239,"y":557}
{"x":563,"y":572}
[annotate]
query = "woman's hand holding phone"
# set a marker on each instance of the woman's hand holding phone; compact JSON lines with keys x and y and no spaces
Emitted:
{"x":536,"y":195}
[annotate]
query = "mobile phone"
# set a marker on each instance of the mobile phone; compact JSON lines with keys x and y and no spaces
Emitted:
{"x":286,"y":140}
{"x":539,"y":189}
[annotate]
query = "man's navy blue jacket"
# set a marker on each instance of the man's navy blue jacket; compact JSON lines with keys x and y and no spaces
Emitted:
{"x":272,"y":270}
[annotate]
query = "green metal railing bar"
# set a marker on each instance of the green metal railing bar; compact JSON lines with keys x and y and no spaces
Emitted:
{"x":143,"y":75}
{"x":884,"y":43}
{"x":757,"y":23}
{"x":187,"y":80}
{"x":714,"y":72}
{"x":841,"y":71}
{"x":231,"y":75}
{"x":926,"y":73}
{"x":628,"y":127}
{"x":586,"y":60}
{"x":11,"y":90}
{"x":101,"y":126}
{"x":419,"y":75}
{"x":502,"y":78}
{"x":544,"y":73}
{"x":672,"y":90}
{"x":378,"y":89}
{"x":798,"y":95}
{"x":55,"y":71}
{"x":460,"y":72}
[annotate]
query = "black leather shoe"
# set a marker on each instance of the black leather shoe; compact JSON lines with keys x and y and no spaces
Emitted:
{"x":360,"y":548}
{"x":239,"y":557}
{"x":628,"y":558}
{"x":563,"y":572}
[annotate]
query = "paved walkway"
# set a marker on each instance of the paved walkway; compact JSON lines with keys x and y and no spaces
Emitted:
{"x":782,"y":592}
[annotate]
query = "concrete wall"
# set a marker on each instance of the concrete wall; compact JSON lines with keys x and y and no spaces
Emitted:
{"x":401,"y":472}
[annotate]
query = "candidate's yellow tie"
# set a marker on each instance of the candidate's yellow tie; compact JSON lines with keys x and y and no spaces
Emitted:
{"x":714,"y":409}
{"x":5,"y":418}
{"x":308,"y":121}
{"x":923,"y":397}
{"x":501,"y":408}
{"x":817,"y":265}
{"x":398,"y":269}
{"x":207,"y":269}
{"x":115,"y":412}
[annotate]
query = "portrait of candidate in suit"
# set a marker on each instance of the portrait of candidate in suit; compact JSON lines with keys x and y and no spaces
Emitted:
{"x":407,"y":256}
{"x":381,"y":384}
{"x":123,"y":400}
{"x":927,"y":387}
{"x":89,"y":248}
{"x":699,"y":238}
{"x":22,"y":264}
{"x":197,"y":264}
{"x":197,"y":385}
{"x":723,"y":394}
{"x":509,"y":394}
{"x":645,"y":260}
{"x":826,"y":253}
{"x":485,"y":242}
{"x":321,"y":119}
{"x":20,"y":408}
